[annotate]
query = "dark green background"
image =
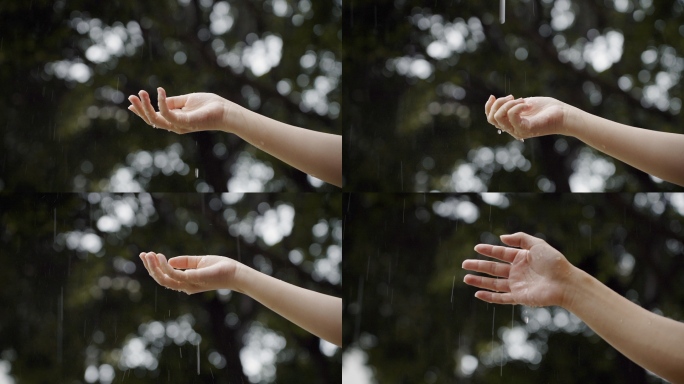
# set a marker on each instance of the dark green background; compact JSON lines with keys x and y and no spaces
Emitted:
{"x":403,"y":133}
{"x":59,"y":315}
{"x":401,"y":259}
{"x":63,"y":135}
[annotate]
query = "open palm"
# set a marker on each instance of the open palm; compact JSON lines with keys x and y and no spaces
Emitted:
{"x":534,"y":275}
{"x":192,"y":112}
{"x":192,"y":274}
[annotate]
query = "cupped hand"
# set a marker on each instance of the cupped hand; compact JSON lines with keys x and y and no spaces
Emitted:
{"x":193,"y":112}
{"x":528,"y":117}
{"x":534,"y":274}
{"x":192,"y":274}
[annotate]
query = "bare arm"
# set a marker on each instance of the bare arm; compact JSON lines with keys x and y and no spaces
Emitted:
{"x":654,"y":342}
{"x":315,"y":153}
{"x":539,"y":275}
{"x":315,"y":312}
{"x":660,"y":154}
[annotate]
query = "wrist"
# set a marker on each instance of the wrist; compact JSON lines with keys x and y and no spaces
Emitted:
{"x":234,"y":117}
{"x":576,"y":281}
{"x":572,"y":117}
{"x":242,"y":278}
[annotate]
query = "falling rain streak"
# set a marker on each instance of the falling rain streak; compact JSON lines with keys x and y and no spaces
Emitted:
{"x":502,"y":11}
{"x":60,"y":325}
{"x":401,"y":174}
{"x":453,"y":283}
{"x":198,"y":358}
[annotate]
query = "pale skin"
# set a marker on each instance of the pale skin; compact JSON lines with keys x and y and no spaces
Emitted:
{"x":315,"y":312}
{"x":533,"y":273}
{"x":315,"y":153}
{"x":660,"y":154}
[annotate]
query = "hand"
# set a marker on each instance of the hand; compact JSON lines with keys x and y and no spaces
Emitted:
{"x":538,"y":275}
{"x":193,"y":112}
{"x":529,"y":117}
{"x":201,"y":273}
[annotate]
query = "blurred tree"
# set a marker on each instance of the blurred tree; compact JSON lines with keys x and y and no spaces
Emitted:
{"x":407,"y":308}
{"x":67,"y":68}
{"x":79,"y":305}
{"x":417,"y":76}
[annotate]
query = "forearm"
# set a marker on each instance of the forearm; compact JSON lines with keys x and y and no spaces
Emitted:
{"x":315,"y":312}
{"x":315,"y":153}
{"x":654,"y":342}
{"x":660,"y":154}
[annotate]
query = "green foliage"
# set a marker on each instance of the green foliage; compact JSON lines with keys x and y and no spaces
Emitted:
{"x":408,"y":309}
{"x":65,"y":130}
{"x":66,"y":307}
{"x":407,"y":132}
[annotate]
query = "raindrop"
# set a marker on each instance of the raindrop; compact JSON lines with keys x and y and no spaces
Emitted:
{"x":198,"y":358}
{"x":54,"y":227}
{"x":401,"y":174}
{"x":502,"y":11}
{"x":453,"y":282}
{"x":60,"y":326}
{"x":196,"y":173}
{"x":499,"y":131}
{"x":403,"y":213}
{"x":181,"y":352}
{"x":493,"y":316}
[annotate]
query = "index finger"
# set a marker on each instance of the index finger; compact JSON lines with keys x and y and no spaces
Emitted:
{"x":488,"y":105}
{"x":502,"y":253}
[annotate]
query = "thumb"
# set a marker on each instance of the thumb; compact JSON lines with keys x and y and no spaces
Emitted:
{"x":521,"y":240}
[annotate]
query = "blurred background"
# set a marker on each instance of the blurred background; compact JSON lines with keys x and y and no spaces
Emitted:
{"x":67,"y":68}
{"x":417,"y":75}
{"x":78,"y":306}
{"x":409,"y":318}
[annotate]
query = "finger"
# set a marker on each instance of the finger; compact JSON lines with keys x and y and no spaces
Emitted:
{"x":501,"y":115}
{"x":495,"y":298}
{"x":498,"y":252}
{"x":495,"y":107}
{"x":189,"y":276}
{"x":164,"y":110}
{"x":488,"y":267}
{"x":498,"y":285}
{"x":488,"y":104}
{"x":521,"y":240}
{"x":185,"y":262}
{"x":137,"y":104}
{"x":514,"y":114}
{"x":159,"y":276}
{"x":134,"y":110}
{"x":155,"y":119}
{"x":144,"y":260}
